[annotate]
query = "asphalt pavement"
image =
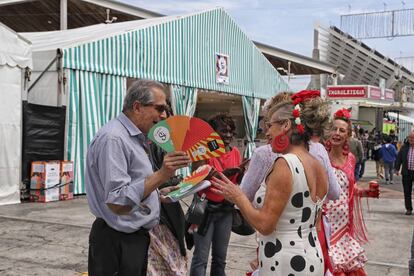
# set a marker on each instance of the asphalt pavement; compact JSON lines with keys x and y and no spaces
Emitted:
{"x":52,"y":238}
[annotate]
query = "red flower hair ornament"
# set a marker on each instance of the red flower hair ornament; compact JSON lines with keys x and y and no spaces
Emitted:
{"x":297,"y":99}
{"x":343,"y":114}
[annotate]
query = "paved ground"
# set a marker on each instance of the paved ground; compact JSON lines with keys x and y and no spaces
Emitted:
{"x":52,"y":238}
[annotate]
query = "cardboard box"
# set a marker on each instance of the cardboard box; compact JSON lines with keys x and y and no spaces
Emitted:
{"x":66,"y":180}
{"x":44,"y":181}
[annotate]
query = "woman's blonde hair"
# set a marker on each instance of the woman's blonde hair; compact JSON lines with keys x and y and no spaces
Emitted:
{"x":314,"y":116}
{"x":279,"y":98}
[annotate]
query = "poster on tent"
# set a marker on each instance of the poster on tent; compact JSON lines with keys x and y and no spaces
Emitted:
{"x":222,"y":68}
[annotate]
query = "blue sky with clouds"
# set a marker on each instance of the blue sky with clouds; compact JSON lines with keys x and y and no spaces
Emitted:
{"x":289,"y":24}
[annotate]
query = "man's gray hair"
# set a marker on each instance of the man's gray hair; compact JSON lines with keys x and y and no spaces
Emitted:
{"x":141,"y":91}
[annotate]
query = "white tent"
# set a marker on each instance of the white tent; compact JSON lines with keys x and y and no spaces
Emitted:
{"x":15,"y":57}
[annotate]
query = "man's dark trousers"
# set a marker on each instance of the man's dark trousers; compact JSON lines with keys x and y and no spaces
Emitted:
{"x":116,"y":253}
{"x":407,"y":181}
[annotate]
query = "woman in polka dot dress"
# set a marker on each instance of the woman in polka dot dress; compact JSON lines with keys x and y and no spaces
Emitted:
{"x":286,"y":206}
{"x":344,"y":214}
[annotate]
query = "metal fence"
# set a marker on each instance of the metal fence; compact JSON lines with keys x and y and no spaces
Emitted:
{"x":379,"y":24}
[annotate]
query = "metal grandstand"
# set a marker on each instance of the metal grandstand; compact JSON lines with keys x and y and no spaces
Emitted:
{"x":357,"y":63}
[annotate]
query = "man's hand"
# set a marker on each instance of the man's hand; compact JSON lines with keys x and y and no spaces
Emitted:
{"x":165,"y":191}
{"x":172,"y":162}
{"x":397,"y":172}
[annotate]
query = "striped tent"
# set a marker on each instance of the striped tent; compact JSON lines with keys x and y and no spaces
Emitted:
{"x":177,"y":50}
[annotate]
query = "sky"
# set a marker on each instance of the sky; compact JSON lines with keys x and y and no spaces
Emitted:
{"x":289,"y":24}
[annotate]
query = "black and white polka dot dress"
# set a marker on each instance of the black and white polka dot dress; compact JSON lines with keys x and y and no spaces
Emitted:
{"x":293,"y":248}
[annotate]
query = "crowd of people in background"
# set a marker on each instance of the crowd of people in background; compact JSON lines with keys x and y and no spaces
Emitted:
{"x":299,"y":193}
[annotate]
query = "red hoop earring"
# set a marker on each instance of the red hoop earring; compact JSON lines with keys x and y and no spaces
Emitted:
{"x":280,"y":143}
{"x":345,"y":148}
{"x":328,"y":145}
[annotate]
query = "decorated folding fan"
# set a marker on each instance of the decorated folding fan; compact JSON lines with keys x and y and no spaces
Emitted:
{"x":189,"y":134}
{"x":192,"y":183}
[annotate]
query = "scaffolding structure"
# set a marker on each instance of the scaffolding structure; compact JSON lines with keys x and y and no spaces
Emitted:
{"x":385,"y":24}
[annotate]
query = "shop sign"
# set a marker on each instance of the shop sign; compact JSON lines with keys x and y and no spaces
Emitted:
{"x":222,"y":68}
{"x":375,"y":93}
{"x":379,"y":93}
{"x":347,"y":92}
{"x":389,"y":94}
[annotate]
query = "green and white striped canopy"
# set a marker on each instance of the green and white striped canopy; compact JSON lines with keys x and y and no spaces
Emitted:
{"x":180,"y":50}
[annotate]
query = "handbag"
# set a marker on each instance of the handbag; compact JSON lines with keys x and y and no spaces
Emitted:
{"x":197,"y":209}
{"x":240,"y":225}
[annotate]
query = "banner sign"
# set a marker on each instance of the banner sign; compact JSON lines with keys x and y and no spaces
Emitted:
{"x":389,"y":94}
{"x":222,"y":68}
{"x":347,"y":92}
{"x":360,"y":92}
{"x":375,"y":93}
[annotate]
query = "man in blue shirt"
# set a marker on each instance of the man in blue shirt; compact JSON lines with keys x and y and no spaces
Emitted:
{"x":121,"y":187}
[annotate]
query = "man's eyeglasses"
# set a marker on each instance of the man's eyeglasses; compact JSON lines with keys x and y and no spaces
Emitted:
{"x":159,"y":107}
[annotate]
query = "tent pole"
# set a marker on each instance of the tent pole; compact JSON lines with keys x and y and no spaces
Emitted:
{"x":63,"y":14}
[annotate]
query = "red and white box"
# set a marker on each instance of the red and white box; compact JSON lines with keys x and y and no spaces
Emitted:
{"x":44,"y":181}
{"x":66,"y":180}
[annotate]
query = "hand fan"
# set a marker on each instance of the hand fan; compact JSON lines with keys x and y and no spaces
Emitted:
{"x":189,"y":134}
{"x":192,"y":183}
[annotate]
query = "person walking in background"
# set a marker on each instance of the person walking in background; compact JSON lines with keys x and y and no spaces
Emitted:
{"x":121,"y":186}
{"x":405,"y":162}
{"x":388,"y":153}
{"x":214,"y":232}
{"x":376,"y":156}
{"x":394,"y":138}
{"x":355,"y":146}
{"x":363,"y":137}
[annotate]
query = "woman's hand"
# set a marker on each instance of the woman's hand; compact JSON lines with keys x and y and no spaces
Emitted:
{"x":226,"y":188}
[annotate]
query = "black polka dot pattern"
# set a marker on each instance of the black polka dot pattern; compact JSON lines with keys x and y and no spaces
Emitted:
{"x":300,"y":231}
{"x":297,"y":200}
{"x":306,"y":213}
{"x":298,"y":263}
{"x":293,"y":249}
{"x":271,"y":248}
{"x":311,"y":240}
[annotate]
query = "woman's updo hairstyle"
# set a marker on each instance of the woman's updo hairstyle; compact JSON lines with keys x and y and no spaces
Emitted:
{"x":308,"y":113}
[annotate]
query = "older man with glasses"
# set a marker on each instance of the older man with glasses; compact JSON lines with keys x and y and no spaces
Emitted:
{"x":121,"y":187}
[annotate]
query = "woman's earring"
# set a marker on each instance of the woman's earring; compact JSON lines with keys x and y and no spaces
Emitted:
{"x":280,"y":143}
{"x":328,"y":145}
{"x":345,"y":148}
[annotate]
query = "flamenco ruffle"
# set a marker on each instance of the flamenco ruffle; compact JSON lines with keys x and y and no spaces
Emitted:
{"x":347,"y":255}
